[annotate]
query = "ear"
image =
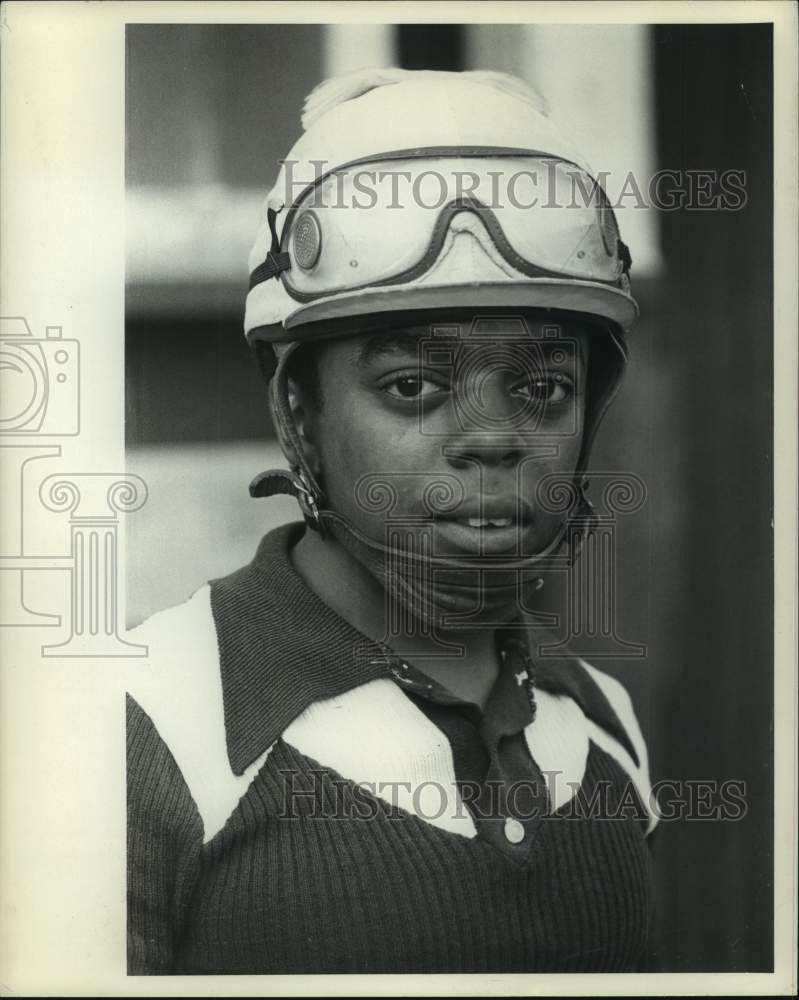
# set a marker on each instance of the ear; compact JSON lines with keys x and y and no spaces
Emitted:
{"x":303,"y":414}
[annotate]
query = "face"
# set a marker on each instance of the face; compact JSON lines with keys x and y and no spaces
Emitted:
{"x":451,"y":431}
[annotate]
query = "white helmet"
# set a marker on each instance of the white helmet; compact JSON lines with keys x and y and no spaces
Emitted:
{"x":429,"y":192}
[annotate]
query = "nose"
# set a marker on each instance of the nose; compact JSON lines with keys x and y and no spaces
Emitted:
{"x":489,"y":427}
{"x":484,"y":449}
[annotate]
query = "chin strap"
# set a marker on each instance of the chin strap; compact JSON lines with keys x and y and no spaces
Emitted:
{"x":282,"y":482}
{"x":431,"y":587}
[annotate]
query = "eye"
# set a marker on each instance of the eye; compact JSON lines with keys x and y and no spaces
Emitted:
{"x":552,"y":389}
{"x":410,"y":387}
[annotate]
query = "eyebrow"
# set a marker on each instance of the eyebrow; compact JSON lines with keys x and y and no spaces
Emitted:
{"x":407,"y":342}
{"x":385,"y":344}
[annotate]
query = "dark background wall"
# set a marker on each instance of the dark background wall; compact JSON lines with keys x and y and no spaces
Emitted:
{"x":715,"y":314}
{"x":694,"y":418}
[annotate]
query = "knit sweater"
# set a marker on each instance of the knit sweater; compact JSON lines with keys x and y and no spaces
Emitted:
{"x":297,"y":801}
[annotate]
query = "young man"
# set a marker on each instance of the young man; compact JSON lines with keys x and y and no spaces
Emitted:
{"x":348,"y":756}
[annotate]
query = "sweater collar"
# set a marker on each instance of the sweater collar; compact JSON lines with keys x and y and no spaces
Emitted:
{"x":281,"y":648}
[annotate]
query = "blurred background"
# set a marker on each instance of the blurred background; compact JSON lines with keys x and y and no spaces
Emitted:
{"x":210,"y":111}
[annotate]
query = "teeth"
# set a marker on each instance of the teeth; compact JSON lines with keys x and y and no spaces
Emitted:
{"x":489,"y":522}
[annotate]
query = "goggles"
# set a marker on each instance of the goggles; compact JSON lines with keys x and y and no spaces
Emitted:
{"x":392,"y":221}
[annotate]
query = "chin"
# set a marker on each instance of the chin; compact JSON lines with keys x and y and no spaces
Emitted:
{"x":463,"y":598}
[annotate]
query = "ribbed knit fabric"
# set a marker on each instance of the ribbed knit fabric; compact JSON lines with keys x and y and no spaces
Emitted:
{"x":338,"y":880}
{"x":164,"y":848}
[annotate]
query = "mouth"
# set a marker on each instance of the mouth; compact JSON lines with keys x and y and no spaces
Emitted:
{"x":495,"y":534}
{"x":485,"y":522}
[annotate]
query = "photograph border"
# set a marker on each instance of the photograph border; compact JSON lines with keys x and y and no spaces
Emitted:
{"x":63,"y":265}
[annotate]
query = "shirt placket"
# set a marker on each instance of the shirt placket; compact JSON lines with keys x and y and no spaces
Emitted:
{"x":514,"y":788}
{"x":512,"y":798}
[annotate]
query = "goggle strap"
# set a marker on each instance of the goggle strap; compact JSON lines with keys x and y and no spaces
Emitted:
{"x":277,"y":260}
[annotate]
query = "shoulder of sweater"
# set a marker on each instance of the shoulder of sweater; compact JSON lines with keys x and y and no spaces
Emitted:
{"x":621,"y":702}
{"x":179,"y":687}
{"x":169,"y":626}
{"x":596,"y":706}
{"x":180,"y":674}
{"x":602,"y":698}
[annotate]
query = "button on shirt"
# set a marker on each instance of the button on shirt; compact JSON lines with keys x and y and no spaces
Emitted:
{"x":499,"y":782}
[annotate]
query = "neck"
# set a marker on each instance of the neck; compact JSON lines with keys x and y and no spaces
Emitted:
{"x":465,"y":661}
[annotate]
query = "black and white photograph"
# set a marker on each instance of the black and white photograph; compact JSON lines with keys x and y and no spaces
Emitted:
{"x":399,"y":483}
